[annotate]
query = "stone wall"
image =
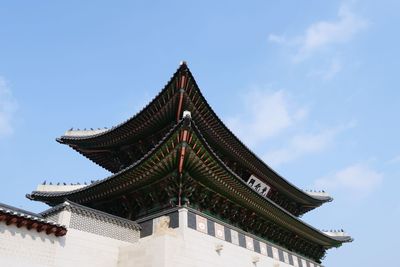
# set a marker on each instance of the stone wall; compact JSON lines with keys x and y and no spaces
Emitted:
{"x":185,"y":246}
{"x":173,"y":239}
{"x":21,"y":247}
{"x":88,"y":242}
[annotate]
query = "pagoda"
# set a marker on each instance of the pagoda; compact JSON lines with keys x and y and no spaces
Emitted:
{"x":176,"y":154}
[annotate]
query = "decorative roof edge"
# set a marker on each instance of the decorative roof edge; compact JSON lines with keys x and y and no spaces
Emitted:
{"x":340,"y":235}
{"x":93,"y":213}
{"x":58,"y":187}
{"x":23,"y":218}
{"x":84,"y":132}
{"x":321,"y":194}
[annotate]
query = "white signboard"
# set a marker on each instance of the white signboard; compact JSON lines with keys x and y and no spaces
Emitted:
{"x":258,"y":186}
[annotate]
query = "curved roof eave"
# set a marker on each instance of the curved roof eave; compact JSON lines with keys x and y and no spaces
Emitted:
{"x":65,"y":138}
{"x":335,"y":241}
{"x":209,"y":148}
{"x":312,"y":201}
{"x":35,"y":194}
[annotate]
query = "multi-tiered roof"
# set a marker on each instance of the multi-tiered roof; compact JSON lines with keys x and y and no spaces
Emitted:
{"x":177,"y":152}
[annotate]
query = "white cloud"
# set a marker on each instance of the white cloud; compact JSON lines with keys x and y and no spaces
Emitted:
{"x":8,"y":107}
{"x":265,"y":115}
{"x":328,"y":73}
{"x":358,"y":178}
{"x":323,"y":33}
{"x":273,"y":38}
{"x":394,"y":160}
{"x":301,"y":145}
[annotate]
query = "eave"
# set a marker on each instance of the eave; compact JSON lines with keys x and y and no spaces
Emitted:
{"x":184,"y":155}
{"x":181,"y":93}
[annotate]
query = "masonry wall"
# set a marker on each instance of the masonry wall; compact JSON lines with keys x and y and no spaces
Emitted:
{"x":184,"y":246}
{"x":91,"y":242}
{"x":189,"y":248}
{"x":20,"y":247}
{"x":85,"y":249}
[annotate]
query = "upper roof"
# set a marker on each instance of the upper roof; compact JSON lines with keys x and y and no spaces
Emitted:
{"x":120,"y":146}
{"x":185,"y":150}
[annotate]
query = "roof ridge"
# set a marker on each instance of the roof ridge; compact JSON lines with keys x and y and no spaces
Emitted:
{"x":79,"y":208}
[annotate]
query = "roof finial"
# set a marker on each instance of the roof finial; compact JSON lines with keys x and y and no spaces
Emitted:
{"x":187,"y":114}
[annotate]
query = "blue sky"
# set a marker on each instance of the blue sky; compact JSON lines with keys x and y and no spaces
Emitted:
{"x":311,"y":86}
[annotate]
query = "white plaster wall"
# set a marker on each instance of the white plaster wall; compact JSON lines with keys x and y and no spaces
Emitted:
{"x":186,"y":247}
{"x":190,"y":248}
{"x":181,"y":247}
{"x":85,"y":249}
{"x":20,"y":247}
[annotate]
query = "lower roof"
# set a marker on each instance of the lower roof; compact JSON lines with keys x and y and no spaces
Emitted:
{"x":205,"y":164}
